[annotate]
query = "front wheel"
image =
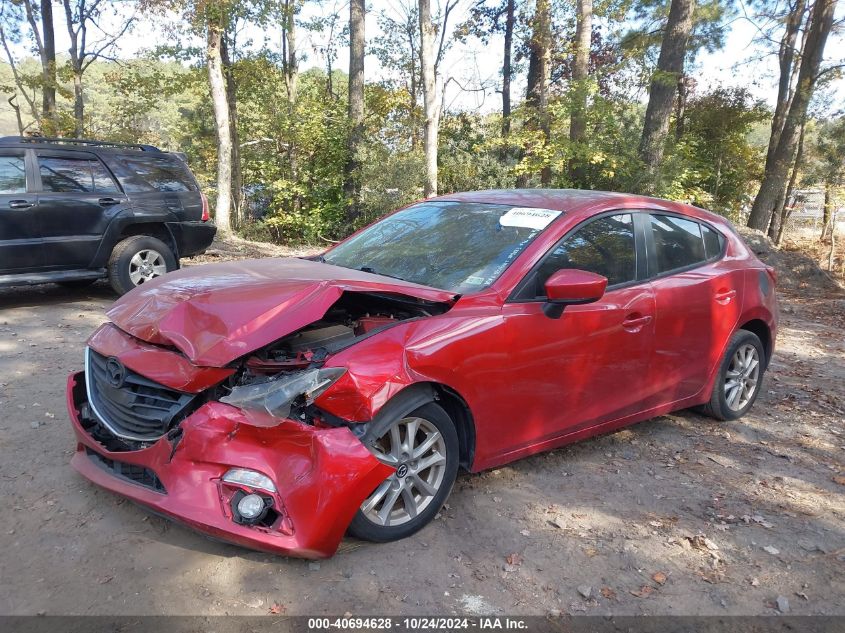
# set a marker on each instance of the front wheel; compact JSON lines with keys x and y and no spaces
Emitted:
{"x":137,"y":260}
{"x":423,"y":448}
{"x":739,"y":379}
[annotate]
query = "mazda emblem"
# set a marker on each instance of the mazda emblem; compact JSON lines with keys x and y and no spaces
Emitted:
{"x":115,"y":373}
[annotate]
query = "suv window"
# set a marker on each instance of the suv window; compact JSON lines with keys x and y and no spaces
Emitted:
{"x":12,"y":174}
{"x":677,"y":242}
{"x":604,"y":246}
{"x":76,"y":175}
{"x":157,"y":174}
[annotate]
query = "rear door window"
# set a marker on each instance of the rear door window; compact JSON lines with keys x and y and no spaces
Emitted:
{"x":678,"y":242}
{"x":74,"y":175}
{"x":149,"y":173}
{"x":12,"y":174}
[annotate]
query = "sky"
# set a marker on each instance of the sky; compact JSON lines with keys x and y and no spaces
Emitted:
{"x":742,"y":62}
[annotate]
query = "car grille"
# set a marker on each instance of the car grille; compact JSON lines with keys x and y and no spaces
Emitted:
{"x":135,"y":408}
{"x":131,"y":472}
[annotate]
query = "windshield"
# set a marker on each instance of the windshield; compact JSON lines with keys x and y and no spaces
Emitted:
{"x":457,"y":246}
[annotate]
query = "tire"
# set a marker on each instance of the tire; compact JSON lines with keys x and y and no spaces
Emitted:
{"x":729,"y":401}
{"x":76,"y":284}
{"x":438,"y":478}
{"x":139,"y":259}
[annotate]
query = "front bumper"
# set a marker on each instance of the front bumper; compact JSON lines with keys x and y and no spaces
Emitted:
{"x":322,"y":475}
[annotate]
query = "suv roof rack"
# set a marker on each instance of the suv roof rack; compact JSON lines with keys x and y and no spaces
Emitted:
{"x":6,"y":140}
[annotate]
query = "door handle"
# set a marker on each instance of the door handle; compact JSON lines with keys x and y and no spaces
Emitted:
{"x":108,"y":202}
{"x":20,"y":204}
{"x":724,"y":297}
{"x":635,"y":322}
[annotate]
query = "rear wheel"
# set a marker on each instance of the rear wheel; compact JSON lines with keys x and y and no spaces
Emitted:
{"x":138,"y":260}
{"x":739,"y":379}
{"x":423,"y":448}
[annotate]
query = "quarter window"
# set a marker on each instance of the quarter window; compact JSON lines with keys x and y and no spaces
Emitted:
{"x":74,"y":175}
{"x":167,"y":174}
{"x":678,"y":242}
{"x":604,"y":246}
{"x":713,"y":242}
{"x":12,"y":174}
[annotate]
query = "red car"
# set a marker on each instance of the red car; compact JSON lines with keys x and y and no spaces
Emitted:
{"x":279,"y":403}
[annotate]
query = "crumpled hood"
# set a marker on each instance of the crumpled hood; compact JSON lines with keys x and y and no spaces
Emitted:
{"x":218,"y":312}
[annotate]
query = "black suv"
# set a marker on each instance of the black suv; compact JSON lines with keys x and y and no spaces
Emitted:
{"x":73,"y":211}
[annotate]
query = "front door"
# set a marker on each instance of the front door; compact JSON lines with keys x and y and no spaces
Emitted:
{"x":590,"y":365}
{"x":20,"y":243}
{"x":77,"y":199}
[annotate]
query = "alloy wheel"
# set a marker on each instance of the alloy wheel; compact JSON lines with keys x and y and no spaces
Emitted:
{"x":742,"y":377}
{"x":145,"y":266}
{"x":417,"y":450}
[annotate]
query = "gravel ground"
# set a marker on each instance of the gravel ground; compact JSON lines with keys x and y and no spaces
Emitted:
{"x":676,"y":515}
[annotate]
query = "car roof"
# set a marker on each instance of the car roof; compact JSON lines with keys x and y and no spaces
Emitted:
{"x":576,"y":200}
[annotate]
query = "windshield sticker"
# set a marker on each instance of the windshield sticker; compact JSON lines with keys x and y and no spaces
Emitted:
{"x":528,"y":218}
{"x":474,"y":280}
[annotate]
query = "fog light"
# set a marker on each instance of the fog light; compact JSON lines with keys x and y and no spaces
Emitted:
{"x":249,"y":478}
{"x":250,"y":507}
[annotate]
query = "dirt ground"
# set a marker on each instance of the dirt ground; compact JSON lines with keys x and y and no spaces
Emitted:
{"x":677,"y":515}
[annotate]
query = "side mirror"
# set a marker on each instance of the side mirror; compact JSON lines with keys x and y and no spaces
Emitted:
{"x":569,"y":286}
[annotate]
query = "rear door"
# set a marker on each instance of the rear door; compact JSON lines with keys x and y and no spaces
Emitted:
{"x":20,"y":242}
{"x":697,"y":303}
{"x":77,"y":199}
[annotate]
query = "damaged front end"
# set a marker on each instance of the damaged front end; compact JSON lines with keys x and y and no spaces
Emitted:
{"x":240,"y":452}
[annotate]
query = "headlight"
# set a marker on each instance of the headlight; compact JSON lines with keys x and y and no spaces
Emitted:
{"x":276,"y":395}
{"x":250,"y":479}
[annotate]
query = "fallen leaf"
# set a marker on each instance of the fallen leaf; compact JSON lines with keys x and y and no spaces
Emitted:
{"x":278,"y":609}
{"x":591,"y":551}
{"x":839,"y":479}
{"x":643,"y":592}
{"x":514,"y":559}
{"x":608,"y":593}
{"x":659,"y":577}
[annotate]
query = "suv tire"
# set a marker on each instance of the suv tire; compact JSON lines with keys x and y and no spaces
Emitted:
{"x":137,"y":260}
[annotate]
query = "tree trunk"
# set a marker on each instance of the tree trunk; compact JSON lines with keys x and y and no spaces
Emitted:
{"x":774,"y":180}
{"x":826,"y":212}
{"x":664,"y":82}
{"x":507,"y":71}
{"x":537,"y":94}
{"x":786,"y":61}
{"x":78,"y":103}
{"x":430,"y":102}
{"x":681,"y":107}
{"x":781,"y":212}
{"x":48,"y":65}
{"x":236,"y":218}
{"x":352,"y":175}
{"x":580,"y":72}
{"x":289,"y":61}
{"x":217,"y":84}
{"x":11,"y":101}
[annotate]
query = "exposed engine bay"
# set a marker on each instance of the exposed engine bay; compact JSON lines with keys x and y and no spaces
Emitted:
{"x":285,"y":377}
